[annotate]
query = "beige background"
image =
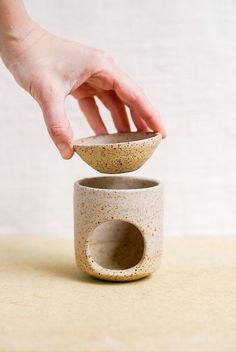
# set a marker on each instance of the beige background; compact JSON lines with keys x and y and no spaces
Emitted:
{"x":183,"y":54}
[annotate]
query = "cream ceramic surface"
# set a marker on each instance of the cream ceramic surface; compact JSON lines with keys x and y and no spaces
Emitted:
{"x":118,"y":152}
{"x":118,"y":226}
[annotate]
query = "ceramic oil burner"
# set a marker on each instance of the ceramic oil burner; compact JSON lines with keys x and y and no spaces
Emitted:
{"x":118,"y":226}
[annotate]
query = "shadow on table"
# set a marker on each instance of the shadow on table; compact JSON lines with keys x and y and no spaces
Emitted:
{"x":47,"y":257}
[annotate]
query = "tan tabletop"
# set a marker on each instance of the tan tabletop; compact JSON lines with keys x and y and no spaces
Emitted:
{"x":46,"y":304}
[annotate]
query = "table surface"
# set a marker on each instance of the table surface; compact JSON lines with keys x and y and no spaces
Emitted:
{"x":47,"y":304}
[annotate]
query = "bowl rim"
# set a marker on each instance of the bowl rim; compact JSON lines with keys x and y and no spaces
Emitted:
{"x":153,"y":135}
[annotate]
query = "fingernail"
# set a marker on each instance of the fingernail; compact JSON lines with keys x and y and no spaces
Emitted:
{"x":65,"y":150}
{"x":164,"y":133}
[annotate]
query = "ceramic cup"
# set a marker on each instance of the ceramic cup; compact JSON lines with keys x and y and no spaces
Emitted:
{"x":118,"y":226}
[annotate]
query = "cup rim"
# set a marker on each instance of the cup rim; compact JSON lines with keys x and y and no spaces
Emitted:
{"x":154,"y":184}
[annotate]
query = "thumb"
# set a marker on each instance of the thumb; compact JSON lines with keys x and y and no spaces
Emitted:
{"x":58,"y":125}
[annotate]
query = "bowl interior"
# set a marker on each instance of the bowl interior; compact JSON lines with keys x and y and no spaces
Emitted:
{"x":114,"y":138}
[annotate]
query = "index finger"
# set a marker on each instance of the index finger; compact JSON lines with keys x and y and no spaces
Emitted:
{"x":134,"y":98}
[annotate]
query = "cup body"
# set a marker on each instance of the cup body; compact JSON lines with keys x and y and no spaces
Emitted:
{"x":118,"y":226}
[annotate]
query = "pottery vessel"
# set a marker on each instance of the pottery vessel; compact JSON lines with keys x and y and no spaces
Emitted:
{"x":118,"y":152}
{"x":118,"y":226}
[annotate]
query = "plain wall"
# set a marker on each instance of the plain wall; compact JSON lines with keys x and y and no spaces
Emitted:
{"x":183,"y":54}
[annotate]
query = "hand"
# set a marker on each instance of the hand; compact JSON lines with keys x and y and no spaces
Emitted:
{"x":50,"y":69}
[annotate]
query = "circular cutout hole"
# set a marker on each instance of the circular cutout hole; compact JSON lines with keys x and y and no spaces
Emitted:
{"x":116,"y":245}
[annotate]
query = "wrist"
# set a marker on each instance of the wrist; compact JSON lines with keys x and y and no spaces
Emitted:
{"x":12,"y":31}
{"x":13,"y":20}
{"x":14,"y":41}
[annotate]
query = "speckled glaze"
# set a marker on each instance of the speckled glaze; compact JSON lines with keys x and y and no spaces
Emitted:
{"x":118,"y":226}
{"x":118,"y":152}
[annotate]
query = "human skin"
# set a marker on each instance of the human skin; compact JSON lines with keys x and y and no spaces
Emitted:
{"x":50,"y":68}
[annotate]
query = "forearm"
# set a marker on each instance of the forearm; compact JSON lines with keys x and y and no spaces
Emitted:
{"x":15,"y":24}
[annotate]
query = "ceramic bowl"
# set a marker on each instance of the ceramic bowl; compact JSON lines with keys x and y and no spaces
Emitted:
{"x":118,"y":152}
{"x":118,"y":226}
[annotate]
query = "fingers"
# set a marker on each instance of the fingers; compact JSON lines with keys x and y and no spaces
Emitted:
{"x":58,"y":125}
{"x":91,"y":112}
{"x":139,"y":122}
{"x":117,"y":109}
{"x":132,"y":96}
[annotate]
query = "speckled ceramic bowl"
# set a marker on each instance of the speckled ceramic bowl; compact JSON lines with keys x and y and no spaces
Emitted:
{"x":118,"y":226}
{"x":118,"y":152}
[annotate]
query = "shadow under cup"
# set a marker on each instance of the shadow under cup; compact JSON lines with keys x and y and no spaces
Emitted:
{"x":118,"y":226}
